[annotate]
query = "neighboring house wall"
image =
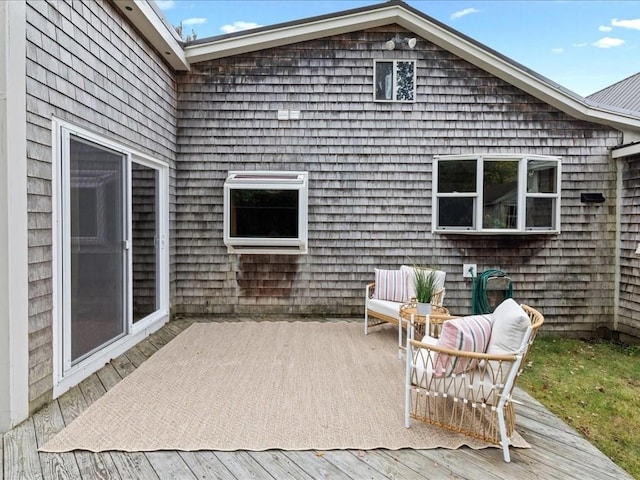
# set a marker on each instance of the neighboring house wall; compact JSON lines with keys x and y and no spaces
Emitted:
{"x":629,"y":288}
{"x":85,"y":65}
{"x":370,"y":180}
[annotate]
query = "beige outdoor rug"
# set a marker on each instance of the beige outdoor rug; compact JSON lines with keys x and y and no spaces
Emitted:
{"x":259,"y":386}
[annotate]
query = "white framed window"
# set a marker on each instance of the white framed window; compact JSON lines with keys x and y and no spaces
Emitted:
{"x":498,"y":194}
{"x":266,"y":212}
{"x":394,"y":80}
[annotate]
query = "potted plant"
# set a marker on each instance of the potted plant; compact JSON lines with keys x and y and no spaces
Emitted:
{"x":425,"y":283}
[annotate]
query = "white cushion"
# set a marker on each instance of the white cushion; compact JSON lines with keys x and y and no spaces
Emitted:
{"x":390,"y":285}
{"x":385,"y":307}
{"x":410,"y":279}
{"x":510,"y":323}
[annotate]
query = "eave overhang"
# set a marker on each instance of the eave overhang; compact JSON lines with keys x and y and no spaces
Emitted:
{"x":626,"y":150}
{"x":152,"y":25}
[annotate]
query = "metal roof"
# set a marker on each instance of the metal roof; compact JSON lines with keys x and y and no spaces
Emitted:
{"x":624,"y":94}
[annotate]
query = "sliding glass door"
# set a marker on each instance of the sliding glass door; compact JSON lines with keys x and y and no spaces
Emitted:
{"x":97,"y":257}
{"x":112,"y":255}
{"x":146,"y":240}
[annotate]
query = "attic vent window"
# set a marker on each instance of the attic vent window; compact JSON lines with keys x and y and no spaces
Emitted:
{"x":266,"y":212}
{"x":394,"y":80}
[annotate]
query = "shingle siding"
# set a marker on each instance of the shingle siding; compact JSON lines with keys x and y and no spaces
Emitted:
{"x":85,"y":65}
{"x":370,"y":176}
{"x":629,"y":288}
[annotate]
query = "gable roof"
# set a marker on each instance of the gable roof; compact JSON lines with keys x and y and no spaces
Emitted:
{"x":428,"y":28}
{"x":624,"y":94}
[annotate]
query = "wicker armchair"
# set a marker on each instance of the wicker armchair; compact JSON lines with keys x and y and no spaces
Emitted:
{"x":476,"y":402}
{"x":378,"y":311}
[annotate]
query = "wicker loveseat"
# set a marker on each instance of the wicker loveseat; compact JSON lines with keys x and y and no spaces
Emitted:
{"x":464,"y":380}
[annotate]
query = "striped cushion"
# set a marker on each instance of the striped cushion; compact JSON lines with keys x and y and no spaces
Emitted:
{"x":469,"y":334}
{"x":390,"y":285}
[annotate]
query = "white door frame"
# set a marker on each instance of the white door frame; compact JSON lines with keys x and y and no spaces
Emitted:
{"x":66,"y":375}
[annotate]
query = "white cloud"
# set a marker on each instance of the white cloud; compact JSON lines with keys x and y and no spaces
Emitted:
{"x":608,"y":42}
{"x":557,"y":51}
{"x":604,"y":28}
{"x":464,"y":13}
{"x":165,"y":4}
{"x":189,"y":22}
{"x":633,"y":24}
{"x":238,"y":26}
{"x":580,"y":45}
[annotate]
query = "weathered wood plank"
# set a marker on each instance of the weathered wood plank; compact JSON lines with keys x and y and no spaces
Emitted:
{"x":135,"y":356}
{"x":108,"y":376}
{"x":581,"y":459}
{"x":158,"y":340}
{"x":352,"y":465}
{"x":147,"y":348}
{"x":123,"y":365}
{"x":169,"y":466}
{"x":47,"y":423}
{"x":132,"y":465}
{"x":316,"y":465}
{"x":205,"y":464}
{"x":21,"y":453}
{"x":176,"y":328}
{"x":491,"y":460}
{"x":129,"y":465}
{"x":431,"y":467}
{"x":242,"y":465}
{"x":73,"y":403}
{"x":449,"y":460}
{"x":279,"y":465}
{"x":381,"y":462}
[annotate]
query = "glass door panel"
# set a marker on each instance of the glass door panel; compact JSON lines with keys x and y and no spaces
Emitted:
{"x":96,"y":251}
{"x":145,"y":236}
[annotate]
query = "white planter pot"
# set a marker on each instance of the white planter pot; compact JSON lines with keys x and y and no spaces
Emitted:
{"x":424,"y":309}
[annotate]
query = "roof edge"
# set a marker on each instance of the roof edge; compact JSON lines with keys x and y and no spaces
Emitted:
{"x":287,"y":33}
{"x":152,"y":25}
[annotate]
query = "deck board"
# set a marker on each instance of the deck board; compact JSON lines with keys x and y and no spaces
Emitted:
{"x":47,"y":422}
{"x":206,"y":465}
{"x":558,"y":451}
{"x":21,"y":453}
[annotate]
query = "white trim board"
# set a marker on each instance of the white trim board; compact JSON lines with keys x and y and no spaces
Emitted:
{"x":14,"y":262}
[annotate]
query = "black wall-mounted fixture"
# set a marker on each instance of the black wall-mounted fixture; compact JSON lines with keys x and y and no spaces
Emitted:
{"x":591,"y":198}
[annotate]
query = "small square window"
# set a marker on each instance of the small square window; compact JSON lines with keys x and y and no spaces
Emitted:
{"x":394,"y":80}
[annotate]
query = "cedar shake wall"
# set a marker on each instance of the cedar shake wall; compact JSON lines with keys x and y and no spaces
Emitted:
{"x":629,"y":316}
{"x":85,"y":65}
{"x":370,"y":177}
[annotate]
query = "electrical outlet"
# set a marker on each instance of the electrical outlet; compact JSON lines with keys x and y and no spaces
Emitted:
{"x":469,"y":270}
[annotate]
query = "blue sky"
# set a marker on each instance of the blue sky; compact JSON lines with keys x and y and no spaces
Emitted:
{"x":582,"y":45}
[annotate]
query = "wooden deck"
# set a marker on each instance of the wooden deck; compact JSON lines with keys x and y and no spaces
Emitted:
{"x":558,"y":452}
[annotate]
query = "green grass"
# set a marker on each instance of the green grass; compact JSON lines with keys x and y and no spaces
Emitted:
{"x":595,"y":388}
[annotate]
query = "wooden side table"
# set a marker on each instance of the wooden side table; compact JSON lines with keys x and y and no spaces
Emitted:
{"x":421,"y":324}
